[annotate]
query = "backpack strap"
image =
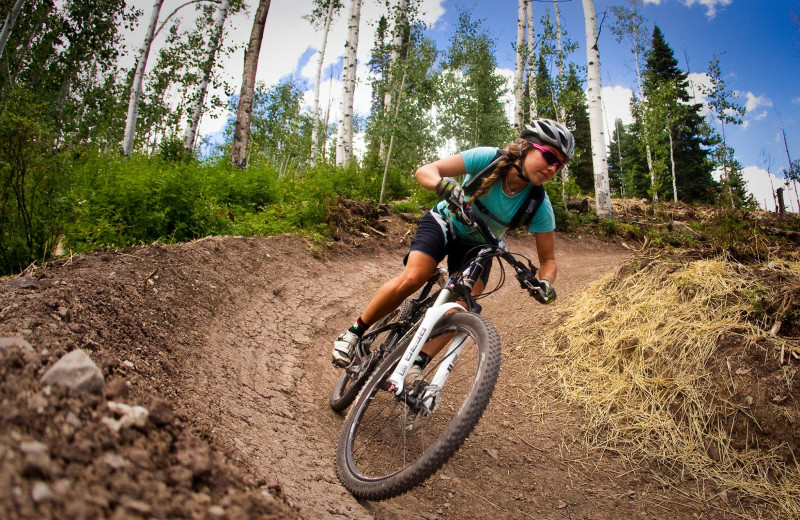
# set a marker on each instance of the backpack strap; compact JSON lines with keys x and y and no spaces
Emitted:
{"x":529,"y":208}
{"x":472,"y":185}
{"x":524,"y":214}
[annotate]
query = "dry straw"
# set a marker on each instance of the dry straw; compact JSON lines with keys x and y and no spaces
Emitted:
{"x":633,"y":351}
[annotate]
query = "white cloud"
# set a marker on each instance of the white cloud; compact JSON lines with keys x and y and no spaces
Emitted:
{"x":508,"y":98}
{"x":710,"y":5}
{"x":754,"y":102}
{"x":761,"y":184}
{"x":617,"y":104}
{"x":796,"y":101}
{"x":698,"y":83}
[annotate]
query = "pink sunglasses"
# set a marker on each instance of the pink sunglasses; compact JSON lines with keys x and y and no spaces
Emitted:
{"x":549,"y":156}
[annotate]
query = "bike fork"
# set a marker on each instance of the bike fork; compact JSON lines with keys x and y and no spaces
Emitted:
{"x":432,"y":316}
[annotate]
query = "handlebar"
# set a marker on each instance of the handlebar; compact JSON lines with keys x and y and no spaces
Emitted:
{"x":526,"y":275}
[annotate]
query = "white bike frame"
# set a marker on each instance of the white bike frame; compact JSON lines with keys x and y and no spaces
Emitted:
{"x":436,"y":312}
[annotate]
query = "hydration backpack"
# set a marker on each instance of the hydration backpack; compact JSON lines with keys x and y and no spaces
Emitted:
{"x":525,"y":212}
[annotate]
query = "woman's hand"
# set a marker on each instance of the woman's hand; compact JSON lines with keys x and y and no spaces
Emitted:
{"x":450,"y":190}
{"x":548,"y":293}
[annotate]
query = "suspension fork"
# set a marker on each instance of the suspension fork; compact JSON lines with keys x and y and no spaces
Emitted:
{"x":436,"y":312}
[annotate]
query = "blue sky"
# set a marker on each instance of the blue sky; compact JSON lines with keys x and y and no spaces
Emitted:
{"x":761,"y":60}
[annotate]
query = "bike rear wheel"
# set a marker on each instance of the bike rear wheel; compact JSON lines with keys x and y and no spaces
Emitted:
{"x":387,"y":446}
{"x":353,"y":377}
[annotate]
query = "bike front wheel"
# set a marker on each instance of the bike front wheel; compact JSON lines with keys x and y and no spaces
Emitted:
{"x":389,"y":443}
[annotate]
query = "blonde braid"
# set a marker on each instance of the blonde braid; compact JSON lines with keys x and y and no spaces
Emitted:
{"x":512,"y":154}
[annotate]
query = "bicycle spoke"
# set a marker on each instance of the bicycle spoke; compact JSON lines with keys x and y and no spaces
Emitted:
{"x":392,"y":434}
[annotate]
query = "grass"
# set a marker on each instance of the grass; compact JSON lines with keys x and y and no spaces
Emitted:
{"x":636,"y":351}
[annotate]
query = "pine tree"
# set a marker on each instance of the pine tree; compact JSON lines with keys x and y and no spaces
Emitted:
{"x":577,"y":119}
{"x":544,"y":90}
{"x":692,"y":165}
{"x":627,"y":168}
{"x":632,"y":147}
{"x":726,"y":111}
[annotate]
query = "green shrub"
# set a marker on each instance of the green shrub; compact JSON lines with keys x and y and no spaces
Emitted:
{"x":34,"y":182}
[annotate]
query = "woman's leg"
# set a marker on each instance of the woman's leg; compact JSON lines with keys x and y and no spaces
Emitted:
{"x":419,"y":267}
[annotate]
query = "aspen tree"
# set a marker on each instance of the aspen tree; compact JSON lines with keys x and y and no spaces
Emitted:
{"x":594,"y":95}
{"x":344,"y":141}
{"x":241,"y":131}
{"x":190,"y":135}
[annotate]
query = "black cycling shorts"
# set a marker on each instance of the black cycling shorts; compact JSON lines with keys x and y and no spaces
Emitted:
{"x":433,"y":237}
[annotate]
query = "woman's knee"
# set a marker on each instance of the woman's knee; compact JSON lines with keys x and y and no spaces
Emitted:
{"x":412,"y":279}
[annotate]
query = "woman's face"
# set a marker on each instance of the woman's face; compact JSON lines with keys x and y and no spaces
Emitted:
{"x":539,"y":166}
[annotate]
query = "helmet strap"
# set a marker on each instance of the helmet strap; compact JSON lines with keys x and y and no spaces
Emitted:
{"x":519,"y":169}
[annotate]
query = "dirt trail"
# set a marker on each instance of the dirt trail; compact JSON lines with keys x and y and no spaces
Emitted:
{"x":266,"y":376}
{"x":235,"y":335}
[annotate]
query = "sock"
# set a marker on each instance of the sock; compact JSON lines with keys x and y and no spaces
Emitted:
{"x":359,"y":327}
{"x":422,"y":360}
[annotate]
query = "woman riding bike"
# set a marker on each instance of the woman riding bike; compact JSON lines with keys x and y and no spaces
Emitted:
{"x":542,"y":149}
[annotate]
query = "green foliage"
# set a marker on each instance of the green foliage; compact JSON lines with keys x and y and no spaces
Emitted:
{"x":573,"y":99}
{"x":471,"y":110}
{"x":99,"y":200}
{"x":280,"y":132}
{"x":666,"y":106}
{"x":545,"y":95}
{"x":33,"y":206}
{"x":67,"y":53}
{"x":408,"y":120}
{"x":627,"y":163}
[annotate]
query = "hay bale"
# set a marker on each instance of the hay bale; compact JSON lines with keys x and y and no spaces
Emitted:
{"x":635,"y":349}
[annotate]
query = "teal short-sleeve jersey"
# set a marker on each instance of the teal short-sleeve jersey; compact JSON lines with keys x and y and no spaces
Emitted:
{"x":502,"y":207}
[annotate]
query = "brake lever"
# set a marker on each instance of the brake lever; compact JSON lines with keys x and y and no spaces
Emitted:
{"x":527,"y":280}
{"x":461,"y":213}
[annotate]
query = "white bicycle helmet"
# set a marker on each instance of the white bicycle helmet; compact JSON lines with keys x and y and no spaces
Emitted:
{"x":553,"y":133}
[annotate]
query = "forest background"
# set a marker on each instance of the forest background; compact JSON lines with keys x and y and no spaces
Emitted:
{"x":69,"y":80}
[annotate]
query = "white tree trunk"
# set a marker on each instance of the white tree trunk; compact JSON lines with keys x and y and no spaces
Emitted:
{"x":315,"y":121}
{"x":531,"y":61}
{"x":8,"y":24}
{"x":241,"y":130}
{"x":559,"y":107}
{"x":561,"y":59}
{"x":391,"y":139}
{"x":594,"y":95}
{"x":672,"y":164}
{"x":138,"y":80}
{"x":397,"y":42}
{"x":344,"y":143}
{"x":214,"y":43}
{"x":519,"y":87}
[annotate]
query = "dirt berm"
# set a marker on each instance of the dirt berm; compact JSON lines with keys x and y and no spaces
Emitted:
{"x":225,"y":341}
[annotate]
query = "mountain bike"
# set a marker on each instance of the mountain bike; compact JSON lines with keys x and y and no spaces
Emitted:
{"x":395,"y":437}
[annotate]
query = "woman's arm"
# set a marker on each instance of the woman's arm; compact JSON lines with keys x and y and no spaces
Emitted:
{"x":430,"y":174}
{"x":546,"y":249}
